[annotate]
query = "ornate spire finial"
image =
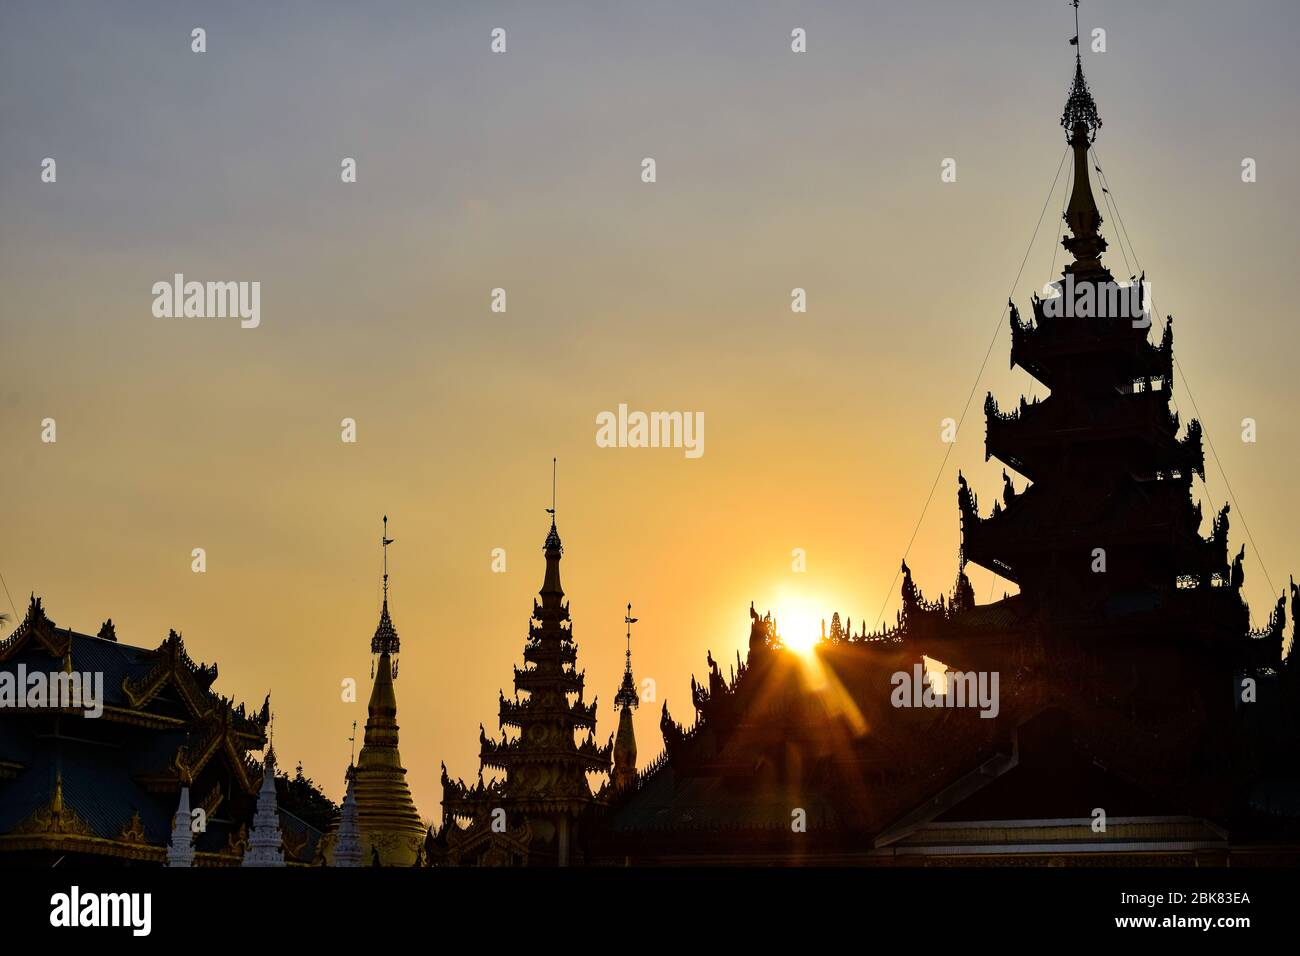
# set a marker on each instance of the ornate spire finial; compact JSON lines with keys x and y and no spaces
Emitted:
{"x":385,"y":640}
{"x":1080,"y":116}
{"x":627,"y":695}
{"x":1080,"y":108}
{"x":553,"y":537}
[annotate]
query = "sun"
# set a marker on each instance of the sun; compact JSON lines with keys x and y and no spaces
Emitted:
{"x":801,"y":640}
{"x":799,"y":622}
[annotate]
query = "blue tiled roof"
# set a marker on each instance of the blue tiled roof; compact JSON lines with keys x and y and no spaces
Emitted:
{"x":99,"y":778}
{"x":94,"y":787}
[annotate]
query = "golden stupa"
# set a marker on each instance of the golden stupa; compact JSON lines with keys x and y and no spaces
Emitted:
{"x":391,"y":831}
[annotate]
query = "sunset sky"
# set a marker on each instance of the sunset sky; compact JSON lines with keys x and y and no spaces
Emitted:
{"x":522,"y":170}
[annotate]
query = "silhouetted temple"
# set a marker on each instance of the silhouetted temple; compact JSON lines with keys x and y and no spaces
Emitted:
{"x":1138,"y":718}
{"x":540,"y":811}
{"x":105,"y":789}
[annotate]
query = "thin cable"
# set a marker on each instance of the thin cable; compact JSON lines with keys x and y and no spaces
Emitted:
{"x":11,"y":600}
{"x":1121,"y":234}
{"x":1105,"y":184}
{"x":939,"y":474}
{"x":1112,"y":208}
{"x":1051,"y":270}
{"x":1065,"y":200}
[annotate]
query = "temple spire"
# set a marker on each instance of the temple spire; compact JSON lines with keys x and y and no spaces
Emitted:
{"x":623,"y":775}
{"x":545,"y":792}
{"x":264,"y":842}
{"x":627,"y":695}
{"x":386,"y":816}
{"x":1081,"y":122}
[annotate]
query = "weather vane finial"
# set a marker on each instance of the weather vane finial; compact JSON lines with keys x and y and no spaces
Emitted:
{"x":552,"y":545}
{"x":629,"y":620}
{"x":386,"y":541}
{"x":1080,"y":118}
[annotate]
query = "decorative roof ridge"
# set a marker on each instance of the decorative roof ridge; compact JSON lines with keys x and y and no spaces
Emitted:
{"x":35,"y":623}
{"x":189,"y":760}
{"x":193,"y":680}
{"x":55,"y":816}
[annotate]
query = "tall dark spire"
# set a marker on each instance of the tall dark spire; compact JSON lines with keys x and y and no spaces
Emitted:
{"x":545,"y":794}
{"x":1081,"y":122}
{"x":1107,"y":527}
{"x":623,"y":774}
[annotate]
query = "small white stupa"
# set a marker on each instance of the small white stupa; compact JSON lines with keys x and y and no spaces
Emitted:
{"x":264,"y":842}
{"x":347,"y":842}
{"x":180,"y":851}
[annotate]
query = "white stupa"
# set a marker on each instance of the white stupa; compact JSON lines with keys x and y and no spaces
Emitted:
{"x":347,"y":842}
{"x":264,"y":842}
{"x":180,"y":851}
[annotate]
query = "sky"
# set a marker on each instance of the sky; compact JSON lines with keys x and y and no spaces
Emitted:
{"x":522,"y":170}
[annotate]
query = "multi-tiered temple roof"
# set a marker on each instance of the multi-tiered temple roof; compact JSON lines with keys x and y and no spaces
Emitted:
{"x":1108,"y":527}
{"x":533,"y":814}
